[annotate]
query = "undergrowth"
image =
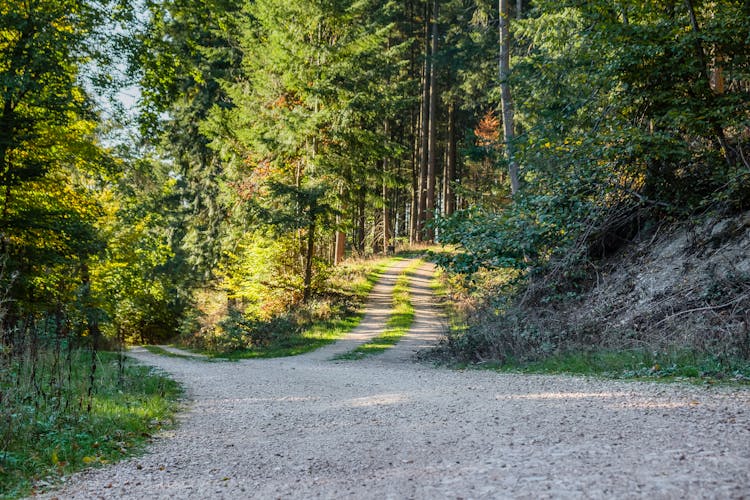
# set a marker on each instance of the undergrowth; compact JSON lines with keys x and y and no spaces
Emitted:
{"x":304,"y":328}
{"x":51,"y":427}
{"x":635,"y":364}
{"x":637,"y":313}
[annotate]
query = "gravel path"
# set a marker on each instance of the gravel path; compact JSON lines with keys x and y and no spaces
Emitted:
{"x":385,"y":427}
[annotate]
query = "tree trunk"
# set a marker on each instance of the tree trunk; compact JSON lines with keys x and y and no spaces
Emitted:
{"x":414,"y":202}
{"x":424,"y":132}
{"x":505,"y":95}
{"x":92,"y":320}
{"x":7,"y":125}
{"x":361,"y":219}
{"x":376,"y":241}
{"x":386,"y":217}
{"x":92,"y":324}
{"x":339,"y":237}
{"x":339,"y":247}
{"x":386,"y":201}
{"x":429,"y":233}
{"x":410,"y":222}
{"x":308,"y":261}
{"x":449,"y":174}
{"x":706,"y":76}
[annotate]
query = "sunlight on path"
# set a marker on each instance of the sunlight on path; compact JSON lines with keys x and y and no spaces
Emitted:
{"x":429,"y":324}
{"x":377,"y":312}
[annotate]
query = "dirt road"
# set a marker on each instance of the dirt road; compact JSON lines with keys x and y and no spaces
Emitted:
{"x":386,"y":427}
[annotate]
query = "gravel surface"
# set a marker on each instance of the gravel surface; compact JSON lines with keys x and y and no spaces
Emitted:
{"x":386,"y":427}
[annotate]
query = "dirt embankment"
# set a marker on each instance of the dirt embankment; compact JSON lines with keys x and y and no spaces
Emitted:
{"x":686,"y":285}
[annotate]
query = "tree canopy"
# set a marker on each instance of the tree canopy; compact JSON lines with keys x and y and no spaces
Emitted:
{"x":276,"y":136}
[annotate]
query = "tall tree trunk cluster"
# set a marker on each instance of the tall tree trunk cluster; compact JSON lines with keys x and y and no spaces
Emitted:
{"x":426,"y":174}
{"x":505,"y":93}
{"x":406,"y":210}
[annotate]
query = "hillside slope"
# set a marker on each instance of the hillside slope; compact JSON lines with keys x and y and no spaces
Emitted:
{"x":675,"y":287}
{"x":687,"y":286}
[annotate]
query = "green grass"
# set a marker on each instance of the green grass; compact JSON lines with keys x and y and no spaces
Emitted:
{"x":155,"y":349}
{"x":637,"y":364}
{"x":197,"y":356}
{"x":319,"y":333}
{"x":441,"y":288}
{"x":42,"y":440}
{"x":315,"y":336}
{"x":398,"y":324}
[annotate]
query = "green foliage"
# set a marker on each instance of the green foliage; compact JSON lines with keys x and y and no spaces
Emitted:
{"x":45,"y":430}
{"x":618,"y":117}
{"x":50,"y":161}
{"x":637,"y":364}
{"x":524,"y":234}
{"x":184,"y":51}
{"x":263,"y":275}
{"x":141,"y":277}
{"x":298,"y":329}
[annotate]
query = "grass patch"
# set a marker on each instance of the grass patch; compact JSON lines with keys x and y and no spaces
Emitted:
{"x":155,"y":349}
{"x":45,"y":437}
{"x":638,"y":365}
{"x":305,"y":332}
{"x":442,"y":289}
{"x":398,"y":324}
{"x":196,"y":356}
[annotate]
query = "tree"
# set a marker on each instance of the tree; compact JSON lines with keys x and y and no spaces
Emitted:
{"x":186,"y":49}
{"x":50,"y":161}
{"x":310,"y":102}
{"x":619,"y":117}
{"x":505,"y":94}
{"x":311,"y":211}
{"x":141,"y":278}
{"x":429,"y":233}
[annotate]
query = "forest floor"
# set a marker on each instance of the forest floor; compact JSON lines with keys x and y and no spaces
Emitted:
{"x":388,"y":427}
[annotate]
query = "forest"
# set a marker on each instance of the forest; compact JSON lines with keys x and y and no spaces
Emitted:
{"x":265,"y":143}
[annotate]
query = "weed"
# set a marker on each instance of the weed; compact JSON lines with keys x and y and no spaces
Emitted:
{"x":44,"y":440}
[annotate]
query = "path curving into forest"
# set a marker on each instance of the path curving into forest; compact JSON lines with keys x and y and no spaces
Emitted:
{"x":387,"y":427}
